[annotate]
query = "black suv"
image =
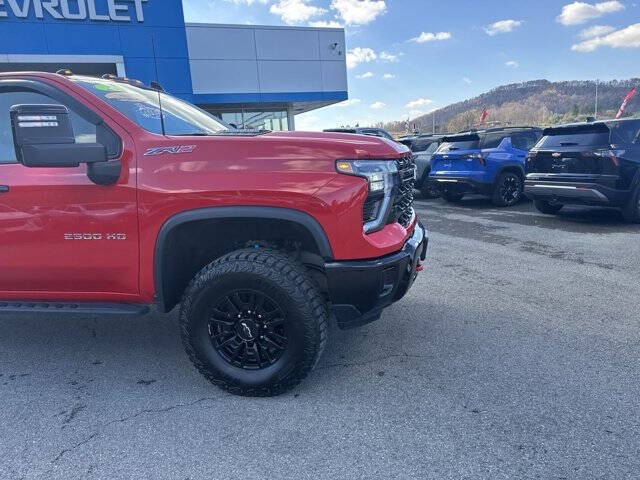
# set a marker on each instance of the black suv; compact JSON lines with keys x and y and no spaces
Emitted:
{"x":594,"y":163}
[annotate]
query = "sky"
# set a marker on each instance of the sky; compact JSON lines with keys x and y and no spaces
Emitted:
{"x":409,"y":57}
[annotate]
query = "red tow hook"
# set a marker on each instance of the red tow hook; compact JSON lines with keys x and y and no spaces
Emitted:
{"x":419,"y":267}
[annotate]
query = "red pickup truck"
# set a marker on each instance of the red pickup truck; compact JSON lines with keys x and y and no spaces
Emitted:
{"x":116,"y":197}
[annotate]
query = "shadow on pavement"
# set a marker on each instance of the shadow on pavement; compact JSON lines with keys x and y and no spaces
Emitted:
{"x":572,"y":218}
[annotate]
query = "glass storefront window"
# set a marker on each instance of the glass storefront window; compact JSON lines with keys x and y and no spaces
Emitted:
{"x":232,"y":118}
{"x":276,"y":120}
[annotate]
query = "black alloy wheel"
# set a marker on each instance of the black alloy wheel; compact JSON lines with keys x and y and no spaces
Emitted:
{"x":254,"y":322}
{"x":508,"y":190}
{"x":248,"y":329}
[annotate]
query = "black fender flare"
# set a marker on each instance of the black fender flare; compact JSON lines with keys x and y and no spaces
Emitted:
{"x":216,"y":213}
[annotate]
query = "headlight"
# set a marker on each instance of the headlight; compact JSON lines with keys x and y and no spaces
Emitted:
{"x":377,"y":172}
{"x":380,"y":177}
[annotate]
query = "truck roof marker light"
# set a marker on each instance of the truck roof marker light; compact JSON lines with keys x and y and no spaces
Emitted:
{"x":65,"y":71}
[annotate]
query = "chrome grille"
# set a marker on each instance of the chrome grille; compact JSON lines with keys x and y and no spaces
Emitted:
{"x":402,"y":210}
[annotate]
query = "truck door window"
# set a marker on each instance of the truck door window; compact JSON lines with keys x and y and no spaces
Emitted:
{"x":84,"y":131}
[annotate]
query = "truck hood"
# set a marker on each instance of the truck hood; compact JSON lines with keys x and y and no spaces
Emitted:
{"x":340,"y":145}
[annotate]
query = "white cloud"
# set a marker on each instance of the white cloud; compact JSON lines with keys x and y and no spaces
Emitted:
{"x":580,"y":12}
{"x":360,"y":55}
{"x":377,"y":106}
{"x":326,"y":24}
{"x":467,"y":80}
{"x":420,"y":102}
{"x":365,"y":75}
{"x":415,"y":113}
{"x":388,"y":76}
{"x":502,"y":26}
{"x":512,"y":64}
{"x":596,"y":31}
{"x":431,"y":37}
{"x":347,"y":103}
{"x":358,"y":12}
{"x":625,"y":38}
{"x":388,"y":57}
{"x":308,"y":123}
{"x":295,"y":11}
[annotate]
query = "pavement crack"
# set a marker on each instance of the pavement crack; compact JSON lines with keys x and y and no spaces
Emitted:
{"x":77,"y":445}
{"x":369,"y":362}
{"x":146,"y":411}
{"x":159,"y":410}
{"x":73,"y":413}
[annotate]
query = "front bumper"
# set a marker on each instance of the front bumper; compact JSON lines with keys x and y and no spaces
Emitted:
{"x":575,"y":193}
{"x":359,"y":290}
{"x":460,"y":184}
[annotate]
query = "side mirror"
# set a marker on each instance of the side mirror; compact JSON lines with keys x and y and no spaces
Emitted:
{"x":43,"y":137}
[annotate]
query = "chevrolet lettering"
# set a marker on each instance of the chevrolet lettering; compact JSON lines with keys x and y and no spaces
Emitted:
{"x":96,"y":10}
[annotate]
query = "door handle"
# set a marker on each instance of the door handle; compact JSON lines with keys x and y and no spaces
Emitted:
{"x":4,"y":188}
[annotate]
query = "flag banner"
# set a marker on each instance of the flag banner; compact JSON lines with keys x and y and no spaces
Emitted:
{"x":629,"y":96}
{"x":484,"y":114}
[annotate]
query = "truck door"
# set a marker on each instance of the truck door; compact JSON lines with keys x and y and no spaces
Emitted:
{"x":61,"y":235}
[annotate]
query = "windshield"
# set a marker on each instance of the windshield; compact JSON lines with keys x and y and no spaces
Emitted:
{"x":142,"y":106}
{"x":587,"y":135}
{"x":469,"y":142}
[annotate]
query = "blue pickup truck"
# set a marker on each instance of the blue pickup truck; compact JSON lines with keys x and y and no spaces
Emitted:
{"x":488,"y":162}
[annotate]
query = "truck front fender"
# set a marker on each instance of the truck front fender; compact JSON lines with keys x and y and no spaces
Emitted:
{"x":168,"y":289}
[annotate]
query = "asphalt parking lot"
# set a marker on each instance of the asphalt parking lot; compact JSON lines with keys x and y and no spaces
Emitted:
{"x":515,"y":355}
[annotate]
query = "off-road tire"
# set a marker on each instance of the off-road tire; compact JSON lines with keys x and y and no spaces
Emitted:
{"x":272,"y":273}
{"x":451,"y":197}
{"x":508,"y":190}
{"x":631,"y":211}
{"x":548,"y":208}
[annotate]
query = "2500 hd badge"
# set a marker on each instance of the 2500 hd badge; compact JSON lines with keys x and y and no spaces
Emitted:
{"x":95,"y":236}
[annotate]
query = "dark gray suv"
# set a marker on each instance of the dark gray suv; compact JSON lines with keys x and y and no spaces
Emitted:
{"x":423,"y":148}
{"x":371,"y":131}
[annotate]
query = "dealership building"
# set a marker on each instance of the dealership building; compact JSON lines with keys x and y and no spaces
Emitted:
{"x":252,"y":76}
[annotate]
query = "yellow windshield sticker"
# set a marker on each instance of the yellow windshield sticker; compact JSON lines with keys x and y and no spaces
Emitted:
{"x":105,"y":87}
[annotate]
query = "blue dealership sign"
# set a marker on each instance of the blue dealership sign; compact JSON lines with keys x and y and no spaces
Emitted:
{"x":112,"y":10}
{"x":147,"y":34}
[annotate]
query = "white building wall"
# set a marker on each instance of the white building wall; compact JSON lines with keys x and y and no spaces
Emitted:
{"x":256,"y":59}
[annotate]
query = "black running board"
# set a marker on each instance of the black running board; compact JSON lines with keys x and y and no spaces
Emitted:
{"x":18,"y":306}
